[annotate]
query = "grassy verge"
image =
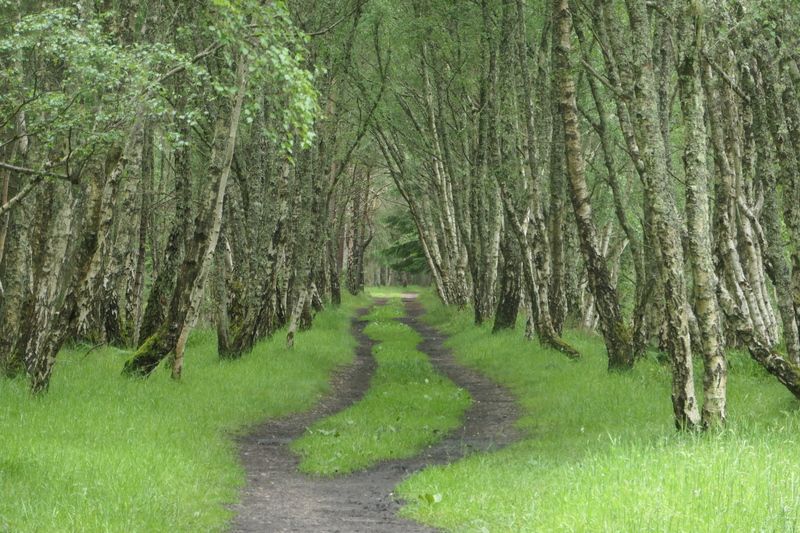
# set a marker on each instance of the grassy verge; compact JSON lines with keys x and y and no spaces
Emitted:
{"x":408,"y":406}
{"x":101,"y":452}
{"x":601,"y":453}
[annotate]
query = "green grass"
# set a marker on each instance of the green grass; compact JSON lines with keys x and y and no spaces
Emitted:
{"x":101,"y":452}
{"x":600,"y":452}
{"x":393,"y":292}
{"x":408,"y":406}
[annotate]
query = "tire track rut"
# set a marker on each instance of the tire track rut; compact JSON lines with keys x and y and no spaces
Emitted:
{"x":278,"y":498}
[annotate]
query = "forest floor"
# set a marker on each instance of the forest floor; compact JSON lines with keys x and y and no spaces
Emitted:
{"x":592,"y":451}
{"x":278,"y":497}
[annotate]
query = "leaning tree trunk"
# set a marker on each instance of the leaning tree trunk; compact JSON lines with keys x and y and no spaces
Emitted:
{"x":644,"y":100}
{"x":55,"y":304}
{"x":41,"y":320}
{"x":616,"y":334}
{"x":777,"y":267}
{"x":163,"y":289}
{"x":639,"y":337}
{"x":528,"y":224}
{"x":535,"y":290}
{"x":174,"y":331}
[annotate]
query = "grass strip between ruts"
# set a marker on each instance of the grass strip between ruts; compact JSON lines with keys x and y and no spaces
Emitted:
{"x":408,"y":406}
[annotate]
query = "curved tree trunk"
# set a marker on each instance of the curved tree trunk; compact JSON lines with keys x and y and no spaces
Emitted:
{"x":615,"y":332}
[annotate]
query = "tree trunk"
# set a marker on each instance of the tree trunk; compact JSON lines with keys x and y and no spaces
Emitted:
{"x":297,"y":317}
{"x":664,"y":213}
{"x":616,"y":334}
{"x":163,"y":289}
{"x":777,"y":266}
{"x":557,"y":219}
{"x":698,"y":220}
{"x":174,"y":330}
{"x":510,"y":285}
{"x":41,"y":329}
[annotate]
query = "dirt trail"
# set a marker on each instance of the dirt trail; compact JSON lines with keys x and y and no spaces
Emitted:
{"x":280,"y":499}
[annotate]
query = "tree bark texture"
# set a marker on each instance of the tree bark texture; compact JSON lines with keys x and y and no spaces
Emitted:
{"x":615,"y":332}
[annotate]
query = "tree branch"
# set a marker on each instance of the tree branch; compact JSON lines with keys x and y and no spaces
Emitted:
{"x":180,"y":68}
{"x":725,"y":77}
{"x":5,"y":208}
{"x":323,"y":31}
{"x":40,"y":173}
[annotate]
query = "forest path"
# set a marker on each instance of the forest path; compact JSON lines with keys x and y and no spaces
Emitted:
{"x":278,"y":498}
